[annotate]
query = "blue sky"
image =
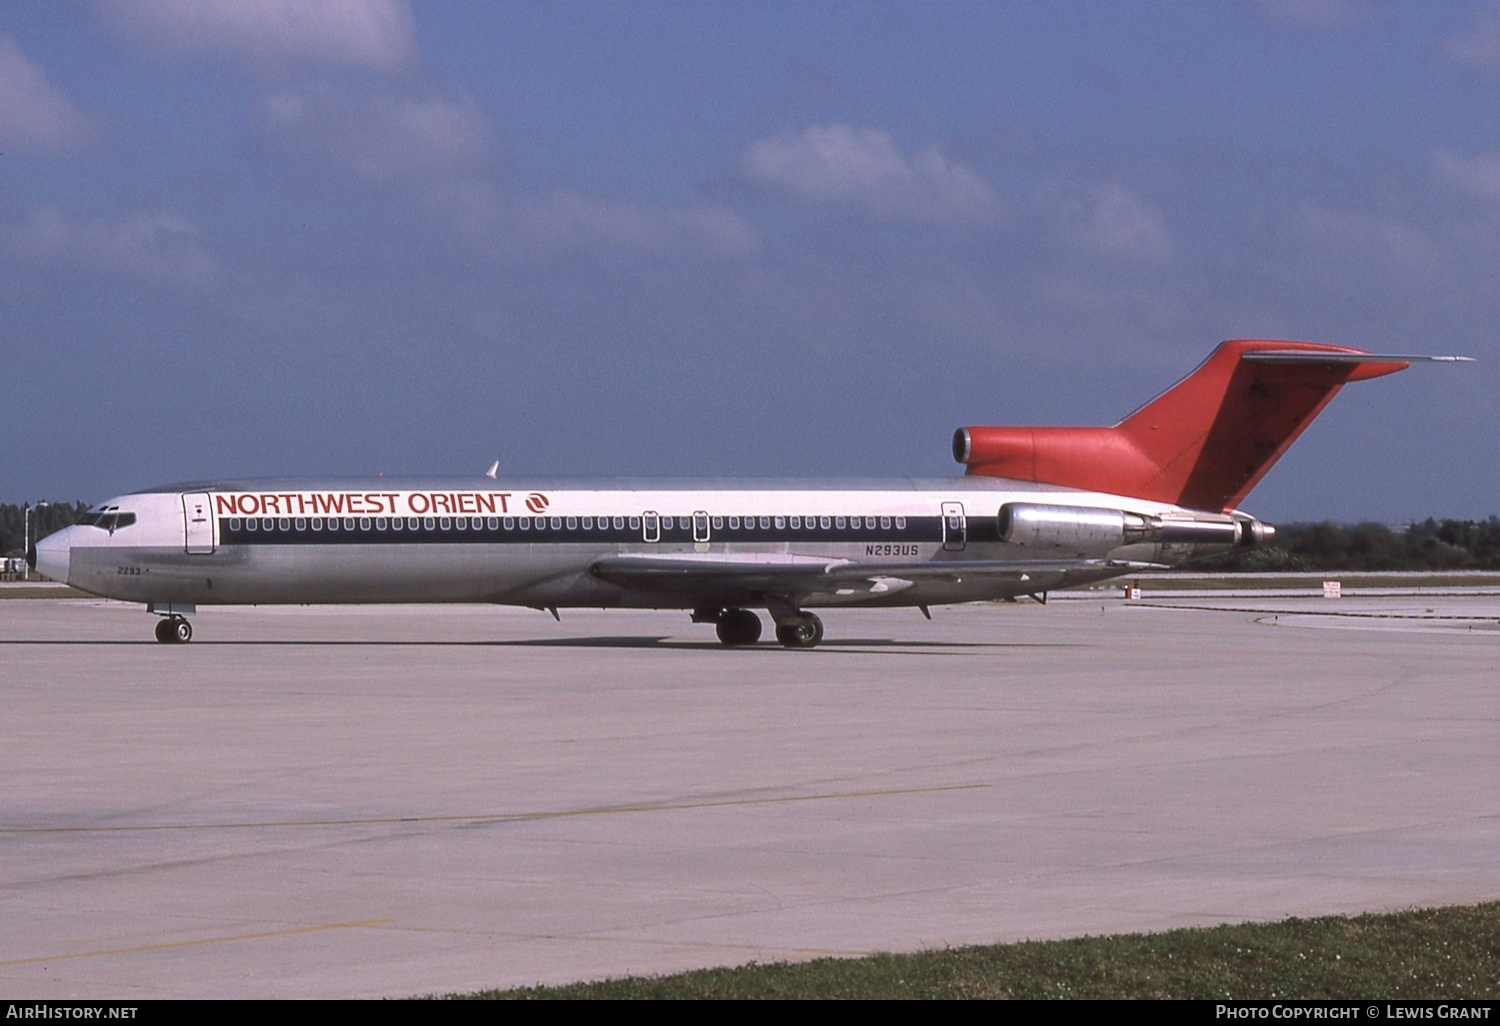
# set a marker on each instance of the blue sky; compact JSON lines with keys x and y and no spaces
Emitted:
{"x":797,"y":239}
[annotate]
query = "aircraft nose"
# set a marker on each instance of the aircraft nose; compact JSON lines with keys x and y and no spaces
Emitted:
{"x":50,"y":556}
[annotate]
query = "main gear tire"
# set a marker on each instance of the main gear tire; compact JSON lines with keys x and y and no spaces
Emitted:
{"x":738,"y":628}
{"x":804,"y":632}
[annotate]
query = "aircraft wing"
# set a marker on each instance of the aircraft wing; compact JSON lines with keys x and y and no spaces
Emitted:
{"x":801,"y":577}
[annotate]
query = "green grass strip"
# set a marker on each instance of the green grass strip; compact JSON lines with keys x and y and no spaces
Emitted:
{"x":1445,"y":953}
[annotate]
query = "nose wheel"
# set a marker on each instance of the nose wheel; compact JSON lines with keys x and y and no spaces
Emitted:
{"x":174,"y":630}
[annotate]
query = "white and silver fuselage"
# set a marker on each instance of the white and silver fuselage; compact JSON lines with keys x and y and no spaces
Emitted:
{"x":621,"y":543}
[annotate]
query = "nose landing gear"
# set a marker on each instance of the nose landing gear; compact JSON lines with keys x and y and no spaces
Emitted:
{"x":174,"y":630}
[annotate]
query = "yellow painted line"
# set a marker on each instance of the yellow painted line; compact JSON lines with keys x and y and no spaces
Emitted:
{"x":499,"y":817}
{"x":141,"y":949}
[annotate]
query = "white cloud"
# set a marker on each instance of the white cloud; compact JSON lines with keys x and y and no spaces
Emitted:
{"x":381,"y":135}
{"x":353,"y":33}
{"x":1109,"y":220}
{"x":427,"y":145}
{"x":157,"y":246}
{"x":562,"y":220}
{"x":36,"y":119}
{"x":864,"y":169}
{"x":437,"y":151}
{"x":1479,"y":47}
{"x":1381,"y":246}
{"x":1478,"y":176}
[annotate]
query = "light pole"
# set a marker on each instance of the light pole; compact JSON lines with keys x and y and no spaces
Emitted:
{"x":26,"y":537}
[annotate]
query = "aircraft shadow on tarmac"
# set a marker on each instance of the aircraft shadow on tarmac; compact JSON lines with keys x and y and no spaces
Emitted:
{"x":844,"y":646}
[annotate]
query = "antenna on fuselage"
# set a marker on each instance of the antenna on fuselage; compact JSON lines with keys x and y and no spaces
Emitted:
{"x":493,"y":471}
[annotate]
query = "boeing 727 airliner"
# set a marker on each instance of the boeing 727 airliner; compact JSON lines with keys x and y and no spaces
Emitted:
{"x":1038,"y":509}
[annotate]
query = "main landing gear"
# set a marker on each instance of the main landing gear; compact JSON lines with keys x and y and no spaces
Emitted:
{"x":174,"y":630}
{"x":740,"y":627}
{"x":803,"y":632}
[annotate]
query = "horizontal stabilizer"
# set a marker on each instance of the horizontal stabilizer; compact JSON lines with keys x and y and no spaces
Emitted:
{"x":1300,"y":356}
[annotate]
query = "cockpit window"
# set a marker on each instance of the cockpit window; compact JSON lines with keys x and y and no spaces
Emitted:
{"x":108,"y":518}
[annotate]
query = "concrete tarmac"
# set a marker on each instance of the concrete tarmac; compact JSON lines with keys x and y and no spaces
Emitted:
{"x":366,"y":802}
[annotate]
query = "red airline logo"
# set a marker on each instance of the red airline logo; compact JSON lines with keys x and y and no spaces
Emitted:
{"x":370,"y":504}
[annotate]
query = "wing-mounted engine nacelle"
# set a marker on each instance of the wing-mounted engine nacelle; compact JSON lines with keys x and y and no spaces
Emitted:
{"x":1093,"y":532}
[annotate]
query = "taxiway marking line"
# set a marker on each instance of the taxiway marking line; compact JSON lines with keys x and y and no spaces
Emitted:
{"x":500,"y":817}
{"x":1319,"y":612}
{"x":140,"y":949}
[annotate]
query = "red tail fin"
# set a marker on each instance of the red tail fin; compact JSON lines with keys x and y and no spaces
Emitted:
{"x":1203,"y":444}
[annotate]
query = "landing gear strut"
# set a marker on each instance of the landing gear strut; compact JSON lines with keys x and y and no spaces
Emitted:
{"x":804,"y":630}
{"x":174,"y":630}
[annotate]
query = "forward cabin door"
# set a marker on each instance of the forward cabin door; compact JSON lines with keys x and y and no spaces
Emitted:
{"x":198,"y":522}
{"x":955,"y":527}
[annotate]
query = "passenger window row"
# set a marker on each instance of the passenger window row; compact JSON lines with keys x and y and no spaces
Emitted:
{"x":542,"y":524}
{"x":398,"y":524}
{"x":430,"y":523}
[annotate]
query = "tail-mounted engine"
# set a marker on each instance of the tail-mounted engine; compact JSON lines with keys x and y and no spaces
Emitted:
{"x":1092,"y":532}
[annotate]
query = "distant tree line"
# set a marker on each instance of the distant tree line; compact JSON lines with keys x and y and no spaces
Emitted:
{"x":1429,"y":545}
{"x":44,"y":520}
